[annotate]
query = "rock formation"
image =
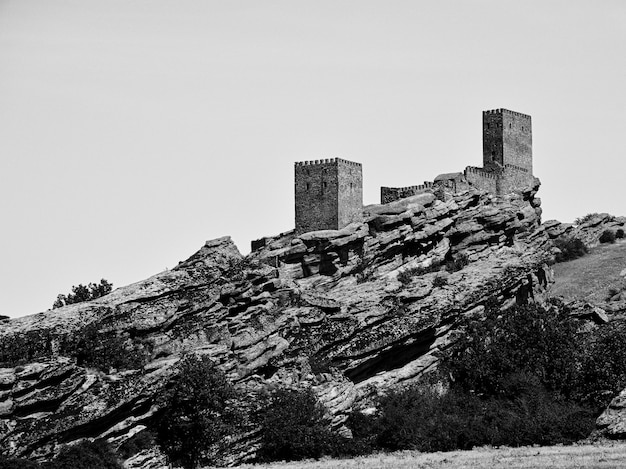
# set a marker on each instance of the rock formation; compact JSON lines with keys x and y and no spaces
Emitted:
{"x":347,"y":312}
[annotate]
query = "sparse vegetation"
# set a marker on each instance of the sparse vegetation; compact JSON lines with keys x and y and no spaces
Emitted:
{"x":570,"y":248}
{"x":586,"y":218}
{"x":86,"y":455}
{"x":82,"y":293}
{"x":607,"y":236}
{"x":294,"y":427}
{"x":104,"y":350}
{"x":198,"y":413}
{"x":144,"y":439}
{"x":440,"y":281}
{"x":407,"y":275}
{"x":456,"y":264}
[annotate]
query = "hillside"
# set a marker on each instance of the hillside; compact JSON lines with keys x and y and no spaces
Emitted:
{"x":348,"y":313}
{"x":592,"y":277}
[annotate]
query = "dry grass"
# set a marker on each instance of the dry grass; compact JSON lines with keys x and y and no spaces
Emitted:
{"x":606,"y":455}
{"x":590,"y":277}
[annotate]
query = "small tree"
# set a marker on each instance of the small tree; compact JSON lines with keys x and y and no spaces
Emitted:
{"x":198,"y":413}
{"x":82,"y":293}
{"x":293,"y":427}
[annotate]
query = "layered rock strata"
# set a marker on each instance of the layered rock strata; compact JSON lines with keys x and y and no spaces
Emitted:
{"x":348,"y":313}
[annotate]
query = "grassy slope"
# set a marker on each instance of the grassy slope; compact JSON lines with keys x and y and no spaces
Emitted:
{"x":590,"y":277}
{"x":558,"y":457}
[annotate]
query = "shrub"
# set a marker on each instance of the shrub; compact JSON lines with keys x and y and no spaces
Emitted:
{"x":407,"y":275}
{"x":607,"y":236}
{"x":422,"y":419}
{"x":585,"y":219}
{"x":137,"y":443}
{"x":570,"y":248}
{"x":293,"y":428}
{"x":604,"y":365}
{"x":440,"y":281}
{"x":86,"y":455}
{"x":527,"y":339}
{"x":456,"y":264}
{"x":619,"y":234}
{"x":82,"y":293}
{"x":198,"y":412}
{"x":319,"y":365}
{"x":106,"y":350}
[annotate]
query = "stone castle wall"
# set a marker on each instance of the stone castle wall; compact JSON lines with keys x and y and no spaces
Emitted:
{"x":507,"y":160}
{"x":507,"y":139}
{"x":389,"y":194}
{"x":350,"y":180}
{"x":481,"y":179}
{"x":328,"y":193}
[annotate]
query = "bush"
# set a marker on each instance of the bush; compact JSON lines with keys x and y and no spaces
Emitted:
{"x":407,"y":275}
{"x":440,"y":281}
{"x":293,"y":428}
{"x":619,"y":234}
{"x":82,"y":293}
{"x":137,"y":443}
{"x":420,"y":418}
{"x":570,"y":248}
{"x":607,"y":236}
{"x":198,"y":412}
{"x":456,"y":264}
{"x":604,"y":366}
{"x":106,"y":350}
{"x":526,"y":339}
{"x":585,"y":219}
{"x":86,"y":455}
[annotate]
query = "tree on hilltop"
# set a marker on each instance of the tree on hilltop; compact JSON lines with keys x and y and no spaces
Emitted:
{"x":82,"y":293}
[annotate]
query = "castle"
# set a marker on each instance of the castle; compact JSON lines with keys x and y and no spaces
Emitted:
{"x":329,"y":193}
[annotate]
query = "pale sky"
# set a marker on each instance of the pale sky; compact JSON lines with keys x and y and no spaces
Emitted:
{"x":132,"y":131}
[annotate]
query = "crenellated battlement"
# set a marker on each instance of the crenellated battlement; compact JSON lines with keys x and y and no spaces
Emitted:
{"x":481,"y":172}
{"x":506,"y":111}
{"x":516,"y":168}
{"x":327,"y":161}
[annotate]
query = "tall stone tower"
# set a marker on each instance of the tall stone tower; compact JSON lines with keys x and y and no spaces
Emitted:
{"x":329,"y":194}
{"x":507,"y":140}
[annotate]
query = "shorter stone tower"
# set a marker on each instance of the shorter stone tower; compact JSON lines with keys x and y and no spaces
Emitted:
{"x":507,"y":140}
{"x":329,"y":194}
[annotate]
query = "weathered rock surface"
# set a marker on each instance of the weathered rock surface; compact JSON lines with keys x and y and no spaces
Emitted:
{"x":348,"y":312}
{"x":589,"y":231}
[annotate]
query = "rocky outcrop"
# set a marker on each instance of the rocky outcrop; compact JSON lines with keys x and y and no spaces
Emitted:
{"x":588,"y":231}
{"x":348,"y":313}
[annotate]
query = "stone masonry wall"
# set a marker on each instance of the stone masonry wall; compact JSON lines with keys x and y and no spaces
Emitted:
{"x":350,"y":181}
{"x":389,"y":194}
{"x":493,"y":150}
{"x":517,"y":140}
{"x":514,"y":178}
{"x":328,"y":194}
{"x":481,"y":179}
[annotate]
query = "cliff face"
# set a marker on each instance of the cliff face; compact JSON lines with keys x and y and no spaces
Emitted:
{"x":346,"y":312}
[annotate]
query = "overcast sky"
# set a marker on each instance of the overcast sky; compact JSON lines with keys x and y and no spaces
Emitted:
{"x":131,"y":131}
